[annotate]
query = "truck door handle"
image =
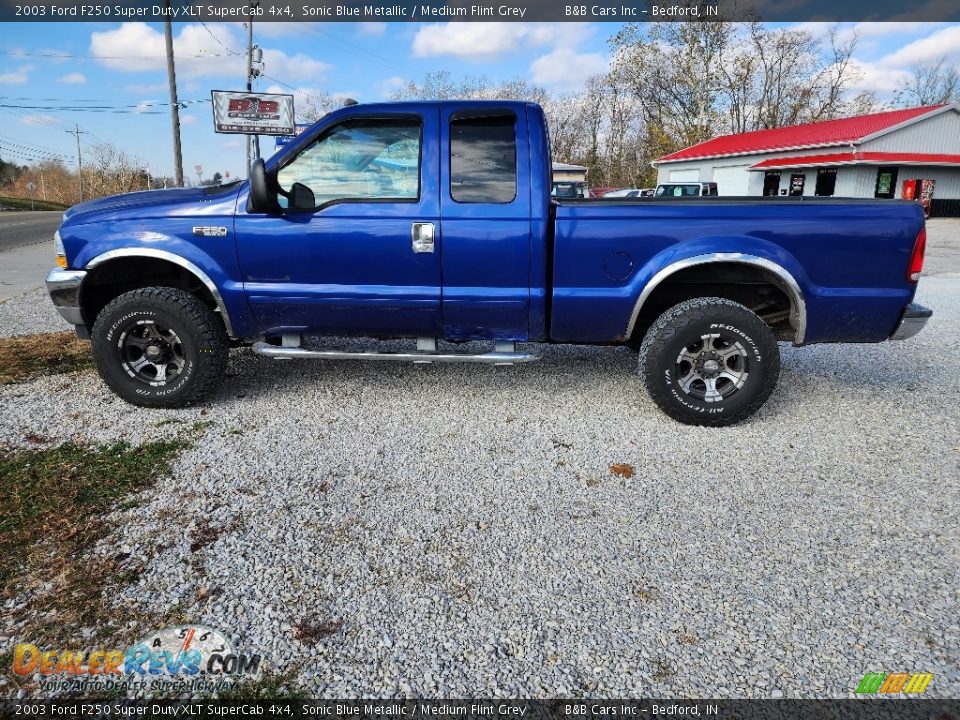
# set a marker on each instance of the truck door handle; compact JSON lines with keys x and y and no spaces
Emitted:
{"x":422,"y":235}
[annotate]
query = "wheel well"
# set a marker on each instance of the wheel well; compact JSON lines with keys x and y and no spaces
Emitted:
{"x":759,"y":289}
{"x":115,"y":277}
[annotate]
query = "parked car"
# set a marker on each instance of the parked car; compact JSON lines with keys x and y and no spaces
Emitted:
{"x":630,"y":193}
{"x":569,"y":189}
{"x":699,"y":189}
{"x":434,"y":221}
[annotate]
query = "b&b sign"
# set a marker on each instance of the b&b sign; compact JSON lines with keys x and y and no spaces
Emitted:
{"x":252,"y":113}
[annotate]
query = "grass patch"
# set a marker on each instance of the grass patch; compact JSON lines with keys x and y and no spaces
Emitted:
{"x":31,"y":356}
{"x":52,"y":507}
{"x":271,"y":686}
{"x":63,"y":491}
{"x":12,"y":203}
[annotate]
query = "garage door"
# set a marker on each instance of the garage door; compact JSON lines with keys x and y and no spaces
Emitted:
{"x":684,"y":175}
{"x":731,"y":179}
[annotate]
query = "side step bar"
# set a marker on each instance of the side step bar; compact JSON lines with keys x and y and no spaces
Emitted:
{"x":497,"y":357}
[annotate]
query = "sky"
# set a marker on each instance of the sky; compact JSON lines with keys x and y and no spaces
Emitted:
{"x":121,"y":66}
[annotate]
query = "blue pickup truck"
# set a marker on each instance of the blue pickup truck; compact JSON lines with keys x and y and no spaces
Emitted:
{"x":433,"y":221}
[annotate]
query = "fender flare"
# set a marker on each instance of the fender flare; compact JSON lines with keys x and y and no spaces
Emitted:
{"x":798,"y":306}
{"x":176,"y":260}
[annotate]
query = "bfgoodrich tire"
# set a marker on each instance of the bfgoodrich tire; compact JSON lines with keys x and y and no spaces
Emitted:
{"x":709,"y":361}
{"x":160,"y":347}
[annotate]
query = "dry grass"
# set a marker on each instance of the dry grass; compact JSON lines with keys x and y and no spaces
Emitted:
{"x":621,"y":470}
{"x":53,"y":502}
{"x":310,"y":631}
{"x":31,"y":356}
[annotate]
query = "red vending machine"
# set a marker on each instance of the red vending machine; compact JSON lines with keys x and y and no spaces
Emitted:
{"x":921,"y":190}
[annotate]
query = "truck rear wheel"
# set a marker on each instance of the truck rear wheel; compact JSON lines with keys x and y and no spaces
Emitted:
{"x":709,"y":361}
{"x":160,"y":347}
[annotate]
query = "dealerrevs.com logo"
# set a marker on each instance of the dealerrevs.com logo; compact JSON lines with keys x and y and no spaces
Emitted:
{"x":182,"y":658}
{"x":894,"y":683}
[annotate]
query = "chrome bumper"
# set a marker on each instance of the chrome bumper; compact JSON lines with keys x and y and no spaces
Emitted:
{"x":64,"y":289}
{"x":912,"y":321}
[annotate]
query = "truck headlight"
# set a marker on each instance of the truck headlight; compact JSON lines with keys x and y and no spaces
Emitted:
{"x":58,"y":249}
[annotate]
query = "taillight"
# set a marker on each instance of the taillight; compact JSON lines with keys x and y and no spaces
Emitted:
{"x":916,"y":257}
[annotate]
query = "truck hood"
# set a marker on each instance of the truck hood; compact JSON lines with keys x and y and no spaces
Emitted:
{"x":162,"y":201}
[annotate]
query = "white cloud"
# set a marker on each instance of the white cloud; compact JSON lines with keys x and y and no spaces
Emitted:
{"x":943,"y":43}
{"x":292,"y":68}
{"x":372,"y":28}
{"x":73,"y":78}
{"x":880,"y":80}
{"x":390,"y":85}
{"x":138,"y":47}
{"x":565,"y":68}
{"x":483,"y":42}
{"x":188,"y":119}
{"x":39,"y":119}
{"x":20,"y":76}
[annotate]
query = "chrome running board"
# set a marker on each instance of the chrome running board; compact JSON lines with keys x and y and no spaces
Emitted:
{"x":497,"y":357}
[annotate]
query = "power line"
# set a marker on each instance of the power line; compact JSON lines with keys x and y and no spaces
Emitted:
{"x":219,"y":41}
{"x":103,"y":108}
{"x":15,"y":53}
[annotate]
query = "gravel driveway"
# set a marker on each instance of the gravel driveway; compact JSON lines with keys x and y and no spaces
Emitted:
{"x":463,"y":526}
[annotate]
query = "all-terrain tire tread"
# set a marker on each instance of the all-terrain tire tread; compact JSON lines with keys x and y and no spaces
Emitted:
{"x":668,"y":325}
{"x":208,"y":330}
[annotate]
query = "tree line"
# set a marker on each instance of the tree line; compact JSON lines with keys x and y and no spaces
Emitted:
{"x":672,"y":85}
{"x":668,"y":86}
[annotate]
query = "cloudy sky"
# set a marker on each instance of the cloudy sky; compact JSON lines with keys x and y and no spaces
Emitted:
{"x":120,"y":68}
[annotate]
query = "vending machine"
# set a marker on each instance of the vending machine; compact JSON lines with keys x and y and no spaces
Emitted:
{"x":920,"y":190}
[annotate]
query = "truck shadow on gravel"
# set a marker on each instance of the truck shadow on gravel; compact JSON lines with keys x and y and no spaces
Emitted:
{"x":573,"y":369}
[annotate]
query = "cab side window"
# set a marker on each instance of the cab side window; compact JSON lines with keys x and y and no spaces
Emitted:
{"x":483,"y":159}
{"x":375,"y":160}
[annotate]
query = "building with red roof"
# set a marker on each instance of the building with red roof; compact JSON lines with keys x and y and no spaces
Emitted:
{"x":909,"y":153}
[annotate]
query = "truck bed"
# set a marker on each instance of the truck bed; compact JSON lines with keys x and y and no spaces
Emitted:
{"x":848,"y":257}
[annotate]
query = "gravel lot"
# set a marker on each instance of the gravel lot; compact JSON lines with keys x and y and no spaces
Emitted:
{"x":463,"y":525}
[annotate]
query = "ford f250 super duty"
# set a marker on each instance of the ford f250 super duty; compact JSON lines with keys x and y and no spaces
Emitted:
{"x":434,"y":221}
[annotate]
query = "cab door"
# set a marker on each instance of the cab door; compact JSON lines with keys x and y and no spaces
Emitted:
{"x":354,"y":249}
{"x":485,"y":210}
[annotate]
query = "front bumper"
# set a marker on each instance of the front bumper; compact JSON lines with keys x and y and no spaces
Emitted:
{"x":912,"y":320}
{"x":64,"y":289}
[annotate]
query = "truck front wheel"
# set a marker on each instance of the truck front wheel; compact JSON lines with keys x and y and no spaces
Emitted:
{"x":709,"y":361}
{"x":160,"y":347}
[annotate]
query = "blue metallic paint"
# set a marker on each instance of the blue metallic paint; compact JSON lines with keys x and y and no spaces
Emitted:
{"x":501,"y":271}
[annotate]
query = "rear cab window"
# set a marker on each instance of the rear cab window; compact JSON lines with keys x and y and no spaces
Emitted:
{"x":483,"y":159}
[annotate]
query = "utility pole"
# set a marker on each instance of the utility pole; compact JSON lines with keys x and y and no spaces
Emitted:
{"x":253,"y":141}
{"x":174,"y":105}
{"x":78,"y":132}
{"x":43,"y":188}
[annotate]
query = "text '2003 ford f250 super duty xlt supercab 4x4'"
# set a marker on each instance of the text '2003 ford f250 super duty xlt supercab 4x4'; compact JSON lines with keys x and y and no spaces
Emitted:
{"x":433,"y":220}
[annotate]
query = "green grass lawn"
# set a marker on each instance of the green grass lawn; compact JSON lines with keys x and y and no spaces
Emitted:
{"x":12,"y":203}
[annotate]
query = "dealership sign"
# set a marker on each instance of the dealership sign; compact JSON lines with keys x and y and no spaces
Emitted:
{"x":252,"y":113}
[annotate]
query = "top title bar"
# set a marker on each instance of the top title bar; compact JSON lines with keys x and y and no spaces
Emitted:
{"x":479,"y":11}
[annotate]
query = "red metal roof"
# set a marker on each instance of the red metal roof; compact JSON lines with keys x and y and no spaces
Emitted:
{"x":818,"y":134}
{"x":860,"y":158}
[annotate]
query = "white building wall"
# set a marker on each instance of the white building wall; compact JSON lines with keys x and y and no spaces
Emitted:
{"x":937,"y":134}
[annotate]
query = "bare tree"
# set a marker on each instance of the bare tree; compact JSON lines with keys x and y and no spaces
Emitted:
{"x":933,"y":83}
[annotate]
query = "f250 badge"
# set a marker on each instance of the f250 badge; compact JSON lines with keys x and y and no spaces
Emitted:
{"x":209,"y":231}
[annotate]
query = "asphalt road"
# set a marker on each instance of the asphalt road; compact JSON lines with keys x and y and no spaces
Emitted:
{"x":18,"y":229}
